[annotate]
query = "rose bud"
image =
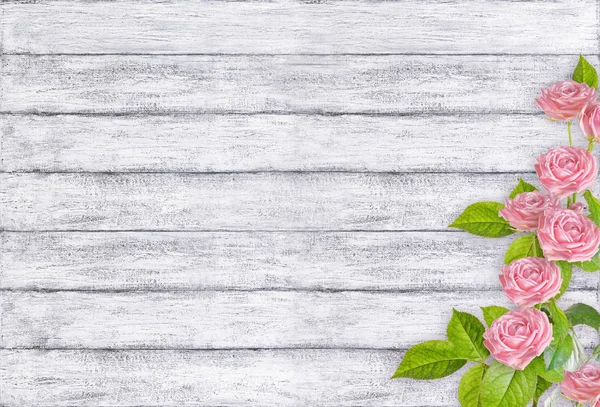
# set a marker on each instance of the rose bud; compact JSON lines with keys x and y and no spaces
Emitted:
{"x":516,"y":338}
{"x":566,"y":170}
{"x":524,"y":210}
{"x":589,"y":121}
{"x":568,"y":235}
{"x":564,"y":100}
{"x":530,"y":281}
{"x":577,"y":207}
{"x":583,"y":385}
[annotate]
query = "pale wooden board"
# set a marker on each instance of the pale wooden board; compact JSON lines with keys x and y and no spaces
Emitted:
{"x":414,"y":26}
{"x":258,"y":201}
{"x":163,"y":261}
{"x":276,"y":142}
{"x":391,"y":84}
{"x":235,"y":319}
{"x":309,"y":377}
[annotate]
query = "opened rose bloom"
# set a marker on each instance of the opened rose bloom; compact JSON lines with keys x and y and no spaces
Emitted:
{"x":596,"y":401}
{"x":583,"y":385}
{"x":524,"y":210}
{"x":566,"y":170}
{"x":564,"y":100}
{"x":519,"y":336}
{"x":589,"y":121}
{"x":530,"y":281}
{"x":568,"y":235}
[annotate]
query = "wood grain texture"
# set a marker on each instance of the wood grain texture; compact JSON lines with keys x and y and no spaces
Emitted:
{"x":273,"y":142}
{"x":389,"y":84}
{"x":234,"y":319}
{"x":415,"y":26}
{"x":164,"y":261}
{"x":215,"y":378}
{"x":257,"y":201}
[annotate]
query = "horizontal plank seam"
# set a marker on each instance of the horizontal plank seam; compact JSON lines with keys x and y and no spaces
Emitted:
{"x":228,"y":230}
{"x":272,"y":113}
{"x":268,"y":112}
{"x":264,"y":54}
{"x":231,"y":349}
{"x":265,"y":289}
{"x":299,"y":172}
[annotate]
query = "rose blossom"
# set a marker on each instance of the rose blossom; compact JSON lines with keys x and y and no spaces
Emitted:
{"x":582,"y":385}
{"x":596,"y":401}
{"x":519,"y":336}
{"x":577,"y":207}
{"x":524,"y":210}
{"x":564,"y":100}
{"x":568,"y":235}
{"x":566,"y":170}
{"x":589,"y":121}
{"x":530,"y":281}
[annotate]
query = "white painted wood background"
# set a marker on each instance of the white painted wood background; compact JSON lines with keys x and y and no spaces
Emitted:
{"x":209,"y":203}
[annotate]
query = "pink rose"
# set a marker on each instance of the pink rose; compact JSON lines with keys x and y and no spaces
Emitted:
{"x":577,"y":207}
{"x":524,"y":210}
{"x":566,"y":170}
{"x":519,"y":336}
{"x":564,"y":100}
{"x":568,"y":235}
{"x":589,"y":121}
{"x":596,"y":401}
{"x":530,"y":281}
{"x":582,"y":385}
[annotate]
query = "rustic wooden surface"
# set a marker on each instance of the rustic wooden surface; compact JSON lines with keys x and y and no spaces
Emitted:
{"x":208,"y":203}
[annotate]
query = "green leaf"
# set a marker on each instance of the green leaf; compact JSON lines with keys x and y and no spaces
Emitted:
{"x":593,"y":206}
{"x":540,"y":389}
{"x":582,"y":314}
{"x":585,"y":73}
{"x":566,"y":272}
{"x":522,"y":187}
{"x":465,"y":333}
{"x":559,"y":351}
{"x":482,"y":219}
{"x":429,"y":360}
{"x":596,"y":352}
{"x":504,"y":386}
{"x":469,"y":390}
{"x":590,"y":266}
{"x":560,"y":322}
{"x":523,"y":246}
{"x":492,"y":313}
{"x":578,"y":356}
{"x":553,"y":376}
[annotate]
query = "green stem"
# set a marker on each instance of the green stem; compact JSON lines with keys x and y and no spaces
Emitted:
{"x":574,"y":198}
{"x":568,"y":201}
{"x":570,"y":135}
{"x":591,"y":145}
{"x":534,"y":245}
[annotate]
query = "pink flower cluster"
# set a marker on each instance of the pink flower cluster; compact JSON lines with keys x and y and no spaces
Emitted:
{"x":563,"y":233}
{"x":570,"y":100}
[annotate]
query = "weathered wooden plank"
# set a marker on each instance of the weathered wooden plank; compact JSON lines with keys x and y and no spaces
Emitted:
{"x":244,"y":201}
{"x":235,"y":319}
{"x":211,"y":143}
{"x":210,"y":378}
{"x":163,"y":261}
{"x":415,"y":26}
{"x":391,"y":84}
